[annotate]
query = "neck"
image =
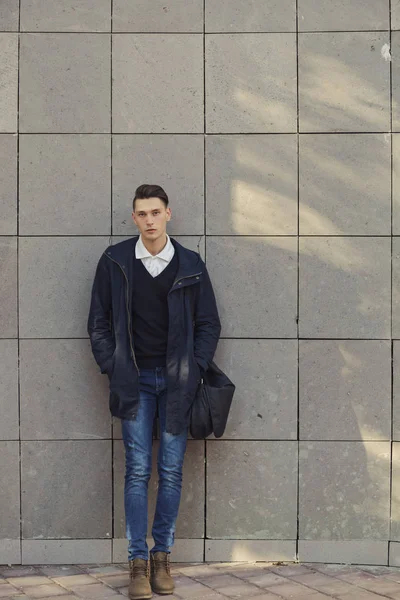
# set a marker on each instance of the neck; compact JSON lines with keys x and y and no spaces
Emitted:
{"x":156,"y":246}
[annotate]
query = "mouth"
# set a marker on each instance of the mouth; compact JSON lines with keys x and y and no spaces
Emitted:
{"x":150,"y":230}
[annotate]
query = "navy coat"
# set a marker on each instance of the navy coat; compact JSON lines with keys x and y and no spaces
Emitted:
{"x":194,"y":329}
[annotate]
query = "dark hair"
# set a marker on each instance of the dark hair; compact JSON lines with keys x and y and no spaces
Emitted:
{"x":146,"y":190}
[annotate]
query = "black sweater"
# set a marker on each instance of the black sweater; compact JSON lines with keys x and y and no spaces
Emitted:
{"x":150,"y":313}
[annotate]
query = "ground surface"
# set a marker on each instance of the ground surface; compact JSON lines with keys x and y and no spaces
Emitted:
{"x":206,"y":581}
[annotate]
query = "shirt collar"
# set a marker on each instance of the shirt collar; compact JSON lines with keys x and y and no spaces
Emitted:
{"x":165,"y":254}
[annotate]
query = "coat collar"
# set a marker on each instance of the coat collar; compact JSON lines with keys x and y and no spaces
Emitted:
{"x":190,"y":262}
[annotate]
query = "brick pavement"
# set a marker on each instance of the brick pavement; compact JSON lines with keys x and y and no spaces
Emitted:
{"x":206,"y":581}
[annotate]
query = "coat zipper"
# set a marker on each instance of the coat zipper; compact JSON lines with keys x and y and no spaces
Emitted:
{"x":127,"y":310}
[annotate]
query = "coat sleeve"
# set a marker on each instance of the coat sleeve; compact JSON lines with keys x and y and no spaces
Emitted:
{"x":207,"y":326}
{"x":99,"y":320}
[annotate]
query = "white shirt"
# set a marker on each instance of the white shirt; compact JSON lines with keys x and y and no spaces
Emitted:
{"x":154,"y":264}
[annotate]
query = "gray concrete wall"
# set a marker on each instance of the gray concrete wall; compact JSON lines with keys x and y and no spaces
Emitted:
{"x":274,"y":126}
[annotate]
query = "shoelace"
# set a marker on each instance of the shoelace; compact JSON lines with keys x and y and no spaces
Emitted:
{"x":139,"y":569}
{"x":161,"y":564}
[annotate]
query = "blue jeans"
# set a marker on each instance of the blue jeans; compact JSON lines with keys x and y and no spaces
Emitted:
{"x":138,"y":438}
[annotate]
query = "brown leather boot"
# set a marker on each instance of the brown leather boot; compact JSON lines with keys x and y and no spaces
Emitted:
{"x":160,"y":578}
{"x":139,"y":585}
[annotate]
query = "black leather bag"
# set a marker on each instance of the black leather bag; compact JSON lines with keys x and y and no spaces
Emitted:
{"x":210,"y":408}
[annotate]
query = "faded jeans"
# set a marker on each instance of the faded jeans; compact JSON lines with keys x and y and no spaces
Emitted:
{"x":138,"y":437}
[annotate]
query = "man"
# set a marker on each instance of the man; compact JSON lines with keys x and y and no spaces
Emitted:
{"x":154,"y":328}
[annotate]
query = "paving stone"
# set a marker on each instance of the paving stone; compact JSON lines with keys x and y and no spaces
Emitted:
{"x":267,"y":579}
{"x":198,"y":571}
{"x":193,"y":590}
{"x":355,"y":575}
{"x":29,"y":581}
{"x":212,"y":596}
{"x":359,"y":595}
{"x":18,"y":571}
{"x":117,"y":581}
{"x":317,"y":596}
{"x":336,"y":587}
{"x":96,"y":590}
{"x":247,"y":566}
{"x":379,"y":569}
{"x":219,"y":581}
{"x":381,"y":587}
{"x":330,"y":568}
{"x":107,"y":570}
{"x":393,"y":576}
{"x":173,"y":597}
{"x":292,"y":590}
{"x":268,"y":596}
{"x":241,"y":565}
{"x":289,"y":570}
{"x":252,"y":573}
{"x":53,"y":571}
{"x":227,"y":565}
{"x":8,"y":590}
{"x":75,"y":580}
{"x":210,"y":581}
{"x":64,"y":597}
{"x":313,"y":580}
{"x":44,"y":591}
{"x":240,"y":590}
{"x":182,"y":580}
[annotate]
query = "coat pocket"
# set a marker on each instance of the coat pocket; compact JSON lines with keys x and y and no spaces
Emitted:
{"x":109,"y":368}
{"x":196,"y":371}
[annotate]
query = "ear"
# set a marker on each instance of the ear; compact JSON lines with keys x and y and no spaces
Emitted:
{"x":134,"y":217}
{"x":169,"y":214}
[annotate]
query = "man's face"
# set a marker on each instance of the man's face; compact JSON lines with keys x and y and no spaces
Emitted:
{"x":151,"y":218}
